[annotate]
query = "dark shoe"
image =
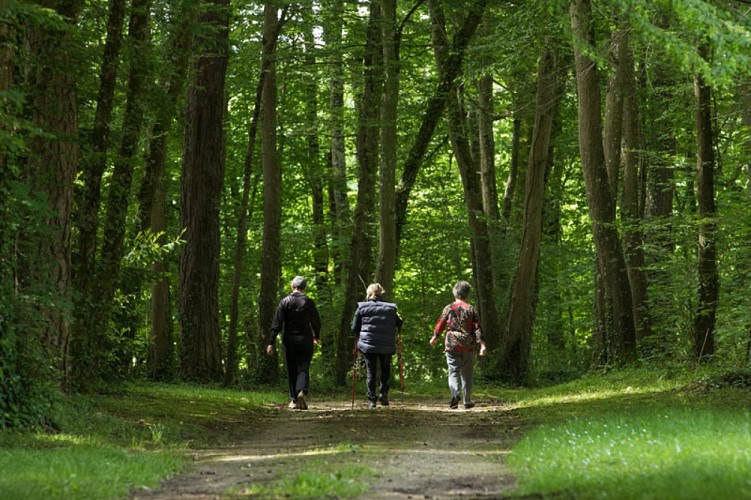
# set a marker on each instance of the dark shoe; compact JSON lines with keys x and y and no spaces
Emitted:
{"x":469,"y":405}
{"x":371,"y":404}
{"x":384,"y":399}
{"x":454,"y":404}
{"x":301,"y":404}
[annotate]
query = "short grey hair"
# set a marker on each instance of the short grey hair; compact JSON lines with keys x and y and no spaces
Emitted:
{"x":461,"y":290}
{"x":299,"y":283}
{"x":373,"y":291}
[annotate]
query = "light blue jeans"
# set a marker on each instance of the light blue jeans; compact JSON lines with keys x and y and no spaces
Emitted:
{"x":460,"y":374}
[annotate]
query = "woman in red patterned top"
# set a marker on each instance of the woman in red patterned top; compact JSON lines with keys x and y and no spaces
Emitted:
{"x":463,"y":341}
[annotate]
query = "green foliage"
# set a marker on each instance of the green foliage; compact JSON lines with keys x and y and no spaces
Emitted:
{"x":338,"y":481}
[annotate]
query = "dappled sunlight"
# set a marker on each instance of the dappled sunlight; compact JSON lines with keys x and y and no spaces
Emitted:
{"x":586,"y":396}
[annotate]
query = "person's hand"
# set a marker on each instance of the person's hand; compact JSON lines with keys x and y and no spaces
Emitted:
{"x":483,"y":349}
{"x":316,"y":342}
{"x":270,"y":350}
{"x":433,"y":341}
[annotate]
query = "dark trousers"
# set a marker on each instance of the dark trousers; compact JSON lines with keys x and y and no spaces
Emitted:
{"x":298,"y":351}
{"x":371,"y":365}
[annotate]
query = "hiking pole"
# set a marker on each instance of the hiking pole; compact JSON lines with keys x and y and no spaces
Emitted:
{"x":401,"y":362}
{"x":354,"y":371}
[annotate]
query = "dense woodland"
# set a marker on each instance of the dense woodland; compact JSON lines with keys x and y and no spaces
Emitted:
{"x":168,"y":167}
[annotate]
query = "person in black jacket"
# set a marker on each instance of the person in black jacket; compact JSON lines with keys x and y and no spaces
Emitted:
{"x":298,"y":317}
{"x":375,"y":325}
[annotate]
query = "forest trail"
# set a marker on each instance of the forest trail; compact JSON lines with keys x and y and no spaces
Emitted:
{"x":415,"y":449}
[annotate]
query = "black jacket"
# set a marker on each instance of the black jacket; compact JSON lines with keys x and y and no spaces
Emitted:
{"x":297,"y":316}
{"x":376,"y":323}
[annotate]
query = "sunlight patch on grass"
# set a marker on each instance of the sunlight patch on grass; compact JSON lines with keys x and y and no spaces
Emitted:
{"x":652,"y":453}
{"x":85,"y":472}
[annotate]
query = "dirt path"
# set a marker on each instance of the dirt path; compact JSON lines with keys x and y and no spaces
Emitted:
{"x":416,"y":450}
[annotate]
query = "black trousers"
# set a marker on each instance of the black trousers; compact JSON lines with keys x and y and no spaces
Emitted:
{"x":298,"y":351}
{"x":372,"y":362}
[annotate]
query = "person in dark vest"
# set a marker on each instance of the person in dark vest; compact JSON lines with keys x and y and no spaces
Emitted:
{"x":298,"y":317}
{"x":375,"y":326}
{"x":461,"y":322}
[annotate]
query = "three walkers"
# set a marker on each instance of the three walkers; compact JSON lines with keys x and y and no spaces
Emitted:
{"x":375,"y":326}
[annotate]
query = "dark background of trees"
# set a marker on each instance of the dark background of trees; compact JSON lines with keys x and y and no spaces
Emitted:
{"x":168,"y":167}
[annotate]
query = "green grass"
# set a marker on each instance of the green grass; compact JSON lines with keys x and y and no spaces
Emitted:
{"x":105,"y":445}
{"x":632,"y":435}
{"x":340,"y":481}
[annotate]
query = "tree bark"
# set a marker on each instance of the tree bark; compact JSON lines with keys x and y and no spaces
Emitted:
{"x":386,"y":266}
{"x":267,"y":52}
{"x":632,"y":208}
{"x":709,"y":281}
{"x":434,"y":110}
{"x":621,"y":345}
{"x":517,"y":343}
{"x":508,"y":194}
{"x":272,"y":202}
{"x":201,"y":187}
{"x":45,"y":263}
{"x":152,"y":197}
{"x":367,"y":155}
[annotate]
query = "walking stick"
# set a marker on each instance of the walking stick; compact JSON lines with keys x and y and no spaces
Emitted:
{"x":401,"y":362}
{"x":354,"y":371}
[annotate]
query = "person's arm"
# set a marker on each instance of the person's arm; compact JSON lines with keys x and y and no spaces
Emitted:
{"x":356,"y":323}
{"x":315,"y":322}
{"x":439,"y":327}
{"x":478,"y":333}
{"x":276,"y":326}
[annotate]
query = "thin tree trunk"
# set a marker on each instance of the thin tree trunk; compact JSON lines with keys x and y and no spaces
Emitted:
{"x":613,"y":123}
{"x":338,"y":202}
{"x":272,"y":202}
{"x":468,"y":168}
{"x":632,"y":209}
{"x":92,"y":363}
{"x":201,"y":187}
{"x":517,"y":343}
{"x":268,"y":50}
{"x":152,"y":195}
{"x":709,"y":281}
{"x":621,"y":345}
{"x":745,"y":100}
{"x":513,"y":172}
{"x":367,"y":155}
{"x":434,"y":110}
{"x":386,"y":267}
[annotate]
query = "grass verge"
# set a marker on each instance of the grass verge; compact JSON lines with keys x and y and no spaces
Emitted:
{"x":635,"y":435}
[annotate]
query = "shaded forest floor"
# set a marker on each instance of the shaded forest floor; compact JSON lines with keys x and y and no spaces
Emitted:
{"x":410,"y":449}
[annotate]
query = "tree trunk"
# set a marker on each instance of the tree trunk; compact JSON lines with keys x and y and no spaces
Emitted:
{"x":709,"y":281}
{"x":632,"y":209}
{"x":621,"y":345}
{"x":367,"y":155}
{"x":613,"y":125}
{"x":513,"y":171}
{"x":485,"y":115}
{"x":272,"y":203}
{"x":267,"y":52}
{"x":386,"y":267}
{"x":94,"y":167}
{"x":517,"y":343}
{"x":434,"y":110}
{"x":45,"y":263}
{"x":338,"y":202}
{"x":152,"y":195}
{"x":201,"y":187}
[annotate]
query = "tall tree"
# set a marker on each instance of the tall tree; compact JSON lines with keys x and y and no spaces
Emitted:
{"x":387,"y":241}
{"x":516,"y":344}
{"x":360,"y":257}
{"x":434,"y":109}
{"x":709,"y":281}
{"x":45,"y":263}
{"x":632,"y":205}
{"x":152,"y":197}
{"x":201,"y":186}
{"x":460,"y":135}
{"x":272,"y":196}
{"x":621,"y":344}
